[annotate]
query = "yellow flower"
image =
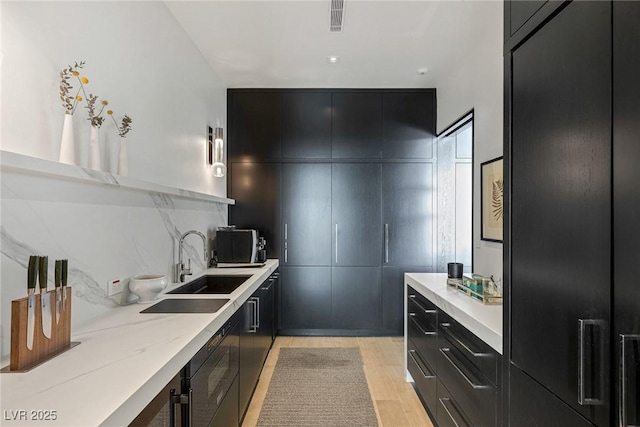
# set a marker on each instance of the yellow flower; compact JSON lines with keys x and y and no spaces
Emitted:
{"x":78,"y":98}
{"x":84,"y":80}
{"x":75,"y":73}
{"x":105,"y":102}
{"x":109,"y":112}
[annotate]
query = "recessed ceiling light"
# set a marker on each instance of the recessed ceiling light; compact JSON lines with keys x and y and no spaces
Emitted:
{"x":422,"y":71}
{"x":333,"y":59}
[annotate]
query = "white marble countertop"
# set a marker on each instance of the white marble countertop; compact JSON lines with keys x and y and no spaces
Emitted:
{"x":485,"y":321}
{"x":124,"y":359}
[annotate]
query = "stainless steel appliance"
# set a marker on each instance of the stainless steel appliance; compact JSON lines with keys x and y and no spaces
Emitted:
{"x":236,"y":247}
{"x":211,"y":377}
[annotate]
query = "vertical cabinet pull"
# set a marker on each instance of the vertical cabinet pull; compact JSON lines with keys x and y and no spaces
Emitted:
{"x":286,"y":242}
{"x":336,"y":242}
{"x":253,"y":327}
{"x":386,"y":243}
{"x":628,"y":372}
{"x":591,"y":359}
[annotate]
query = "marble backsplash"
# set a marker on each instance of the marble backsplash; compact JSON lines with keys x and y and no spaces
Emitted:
{"x":105,"y":232}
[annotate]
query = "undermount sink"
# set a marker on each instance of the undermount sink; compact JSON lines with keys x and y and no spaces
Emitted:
{"x":170,"y":305}
{"x":212,"y":285}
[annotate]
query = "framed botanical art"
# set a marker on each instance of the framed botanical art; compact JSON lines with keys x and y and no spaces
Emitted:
{"x":491,"y":199}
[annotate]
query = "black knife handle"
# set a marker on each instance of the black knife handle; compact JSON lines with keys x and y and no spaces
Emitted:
{"x":43,"y":273}
{"x":65,"y":264}
{"x":32,"y":271}
{"x":57,"y":279}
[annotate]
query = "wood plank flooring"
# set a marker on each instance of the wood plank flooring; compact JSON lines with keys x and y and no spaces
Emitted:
{"x":395,"y":401}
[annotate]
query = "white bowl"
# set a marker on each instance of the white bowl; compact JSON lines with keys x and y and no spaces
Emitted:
{"x":147,"y":287}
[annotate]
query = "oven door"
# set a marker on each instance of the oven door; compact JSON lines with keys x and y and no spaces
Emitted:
{"x":160,"y":412}
{"x":210,"y":384}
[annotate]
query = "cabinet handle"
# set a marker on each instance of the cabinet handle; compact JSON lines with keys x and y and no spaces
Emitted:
{"x":412,"y":316}
{"x":589,"y":328}
{"x":446,"y":402}
{"x":624,"y":376}
{"x":386,"y":243}
{"x":266,"y":288}
{"x":286,"y":242}
{"x":472,"y":353}
{"x":420,"y":306}
{"x":252,"y":326}
{"x":257,"y":313}
{"x":413,"y":354}
{"x":469,"y":381}
{"x":336,"y":242}
{"x":180,"y":399}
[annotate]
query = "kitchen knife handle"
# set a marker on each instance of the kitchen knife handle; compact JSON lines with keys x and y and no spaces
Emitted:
{"x":65,"y":264}
{"x":43,"y":272}
{"x":624,"y":377}
{"x":32,"y":272}
{"x":57,"y":279}
{"x":588,"y":351}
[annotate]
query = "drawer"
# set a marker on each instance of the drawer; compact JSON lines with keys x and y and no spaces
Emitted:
{"x":424,"y":336}
{"x":448,"y":412}
{"x":473,"y":394}
{"x":423,"y":309}
{"x":423,"y":376}
{"x":476,"y":351}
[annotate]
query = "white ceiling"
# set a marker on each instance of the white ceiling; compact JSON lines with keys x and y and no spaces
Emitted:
{"x":286,"y":43}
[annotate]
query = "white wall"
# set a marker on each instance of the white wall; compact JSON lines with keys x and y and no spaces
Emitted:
{"x":476,"y":81}
{"x":142,"y":62}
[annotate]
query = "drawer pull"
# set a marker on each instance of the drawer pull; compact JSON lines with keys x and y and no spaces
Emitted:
{"x":412,"y":316}
{"x":450,"y":408}
{"x":413,"y":354}
{"x":473,"y":353}
{"x":445,"y":352}
{"x":420,"y":306}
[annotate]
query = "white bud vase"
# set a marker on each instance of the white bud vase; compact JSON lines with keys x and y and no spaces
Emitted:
{"x":114,"y":155}
{"x":67,"y":145}
{"x":123,"y":163}
{"x":94,"y":148}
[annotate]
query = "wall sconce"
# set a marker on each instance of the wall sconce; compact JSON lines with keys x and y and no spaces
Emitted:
{"x":216,"y":153}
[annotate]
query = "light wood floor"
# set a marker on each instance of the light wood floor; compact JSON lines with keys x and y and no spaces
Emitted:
{"x":395,"y":401}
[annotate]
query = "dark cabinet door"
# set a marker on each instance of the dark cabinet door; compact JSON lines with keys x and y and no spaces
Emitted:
{"x":408,"y":125}
{"x":305,"y":298}
{"x":306,"y":125}
{"x":355,"y":298}
{"x":407,"y":214}
{"x":256,"y":189}
{"x":533,"y":406}
{"x":626,"y":201}
{"x":306,"y":214}
{"x":355,"y":213}
{"x":254,"y":125}
{"x":356,"y":125}
{"x":248,"y":373}
{"x":393,"y":297}
{"x":561,"y":207}
{"x":521,"y":11}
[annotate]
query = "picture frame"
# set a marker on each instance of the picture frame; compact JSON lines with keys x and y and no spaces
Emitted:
{"x":492,"y":200}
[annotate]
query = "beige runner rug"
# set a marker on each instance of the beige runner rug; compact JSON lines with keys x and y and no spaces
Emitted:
{"x":318,"y":387}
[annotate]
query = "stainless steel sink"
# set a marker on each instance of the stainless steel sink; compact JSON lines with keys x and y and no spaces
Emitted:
{"x":170,"y":305}
{"x":212,"y":285}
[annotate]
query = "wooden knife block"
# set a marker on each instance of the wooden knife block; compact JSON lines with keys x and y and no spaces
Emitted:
{"x":23,"y":359}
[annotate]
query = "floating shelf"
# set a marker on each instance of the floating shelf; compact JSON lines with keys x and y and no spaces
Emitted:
{"x":36,"y":166}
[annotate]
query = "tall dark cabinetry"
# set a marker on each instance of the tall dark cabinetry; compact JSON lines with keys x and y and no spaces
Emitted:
{"x":347,"y":205}
{"x":572,"y":302}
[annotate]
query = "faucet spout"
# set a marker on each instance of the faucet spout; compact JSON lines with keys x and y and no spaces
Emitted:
{"x":180,"y":271}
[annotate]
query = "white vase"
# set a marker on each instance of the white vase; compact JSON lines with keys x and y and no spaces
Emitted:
{"x":94,"y":148}
{"x":67,"y":145}
{"x":123,"y":163}
{"x":113,"y":154}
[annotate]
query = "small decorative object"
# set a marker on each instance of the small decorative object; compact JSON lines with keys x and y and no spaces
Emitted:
{"x":480,"y":288}
{"x":147,"y":287}
{"x":454,"y":270}
{"x":119,"y":162}
{"x":70,"y":103}
{"x":96,"y":121}
{"x":492,"y":193}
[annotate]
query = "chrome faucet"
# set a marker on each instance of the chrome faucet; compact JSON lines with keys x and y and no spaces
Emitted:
{"x":180,"y":271}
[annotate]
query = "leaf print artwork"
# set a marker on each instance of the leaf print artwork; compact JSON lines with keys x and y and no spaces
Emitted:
{"x":496,"y":200}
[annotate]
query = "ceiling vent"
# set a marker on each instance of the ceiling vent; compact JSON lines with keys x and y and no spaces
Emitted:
{"x":337,"y":15}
